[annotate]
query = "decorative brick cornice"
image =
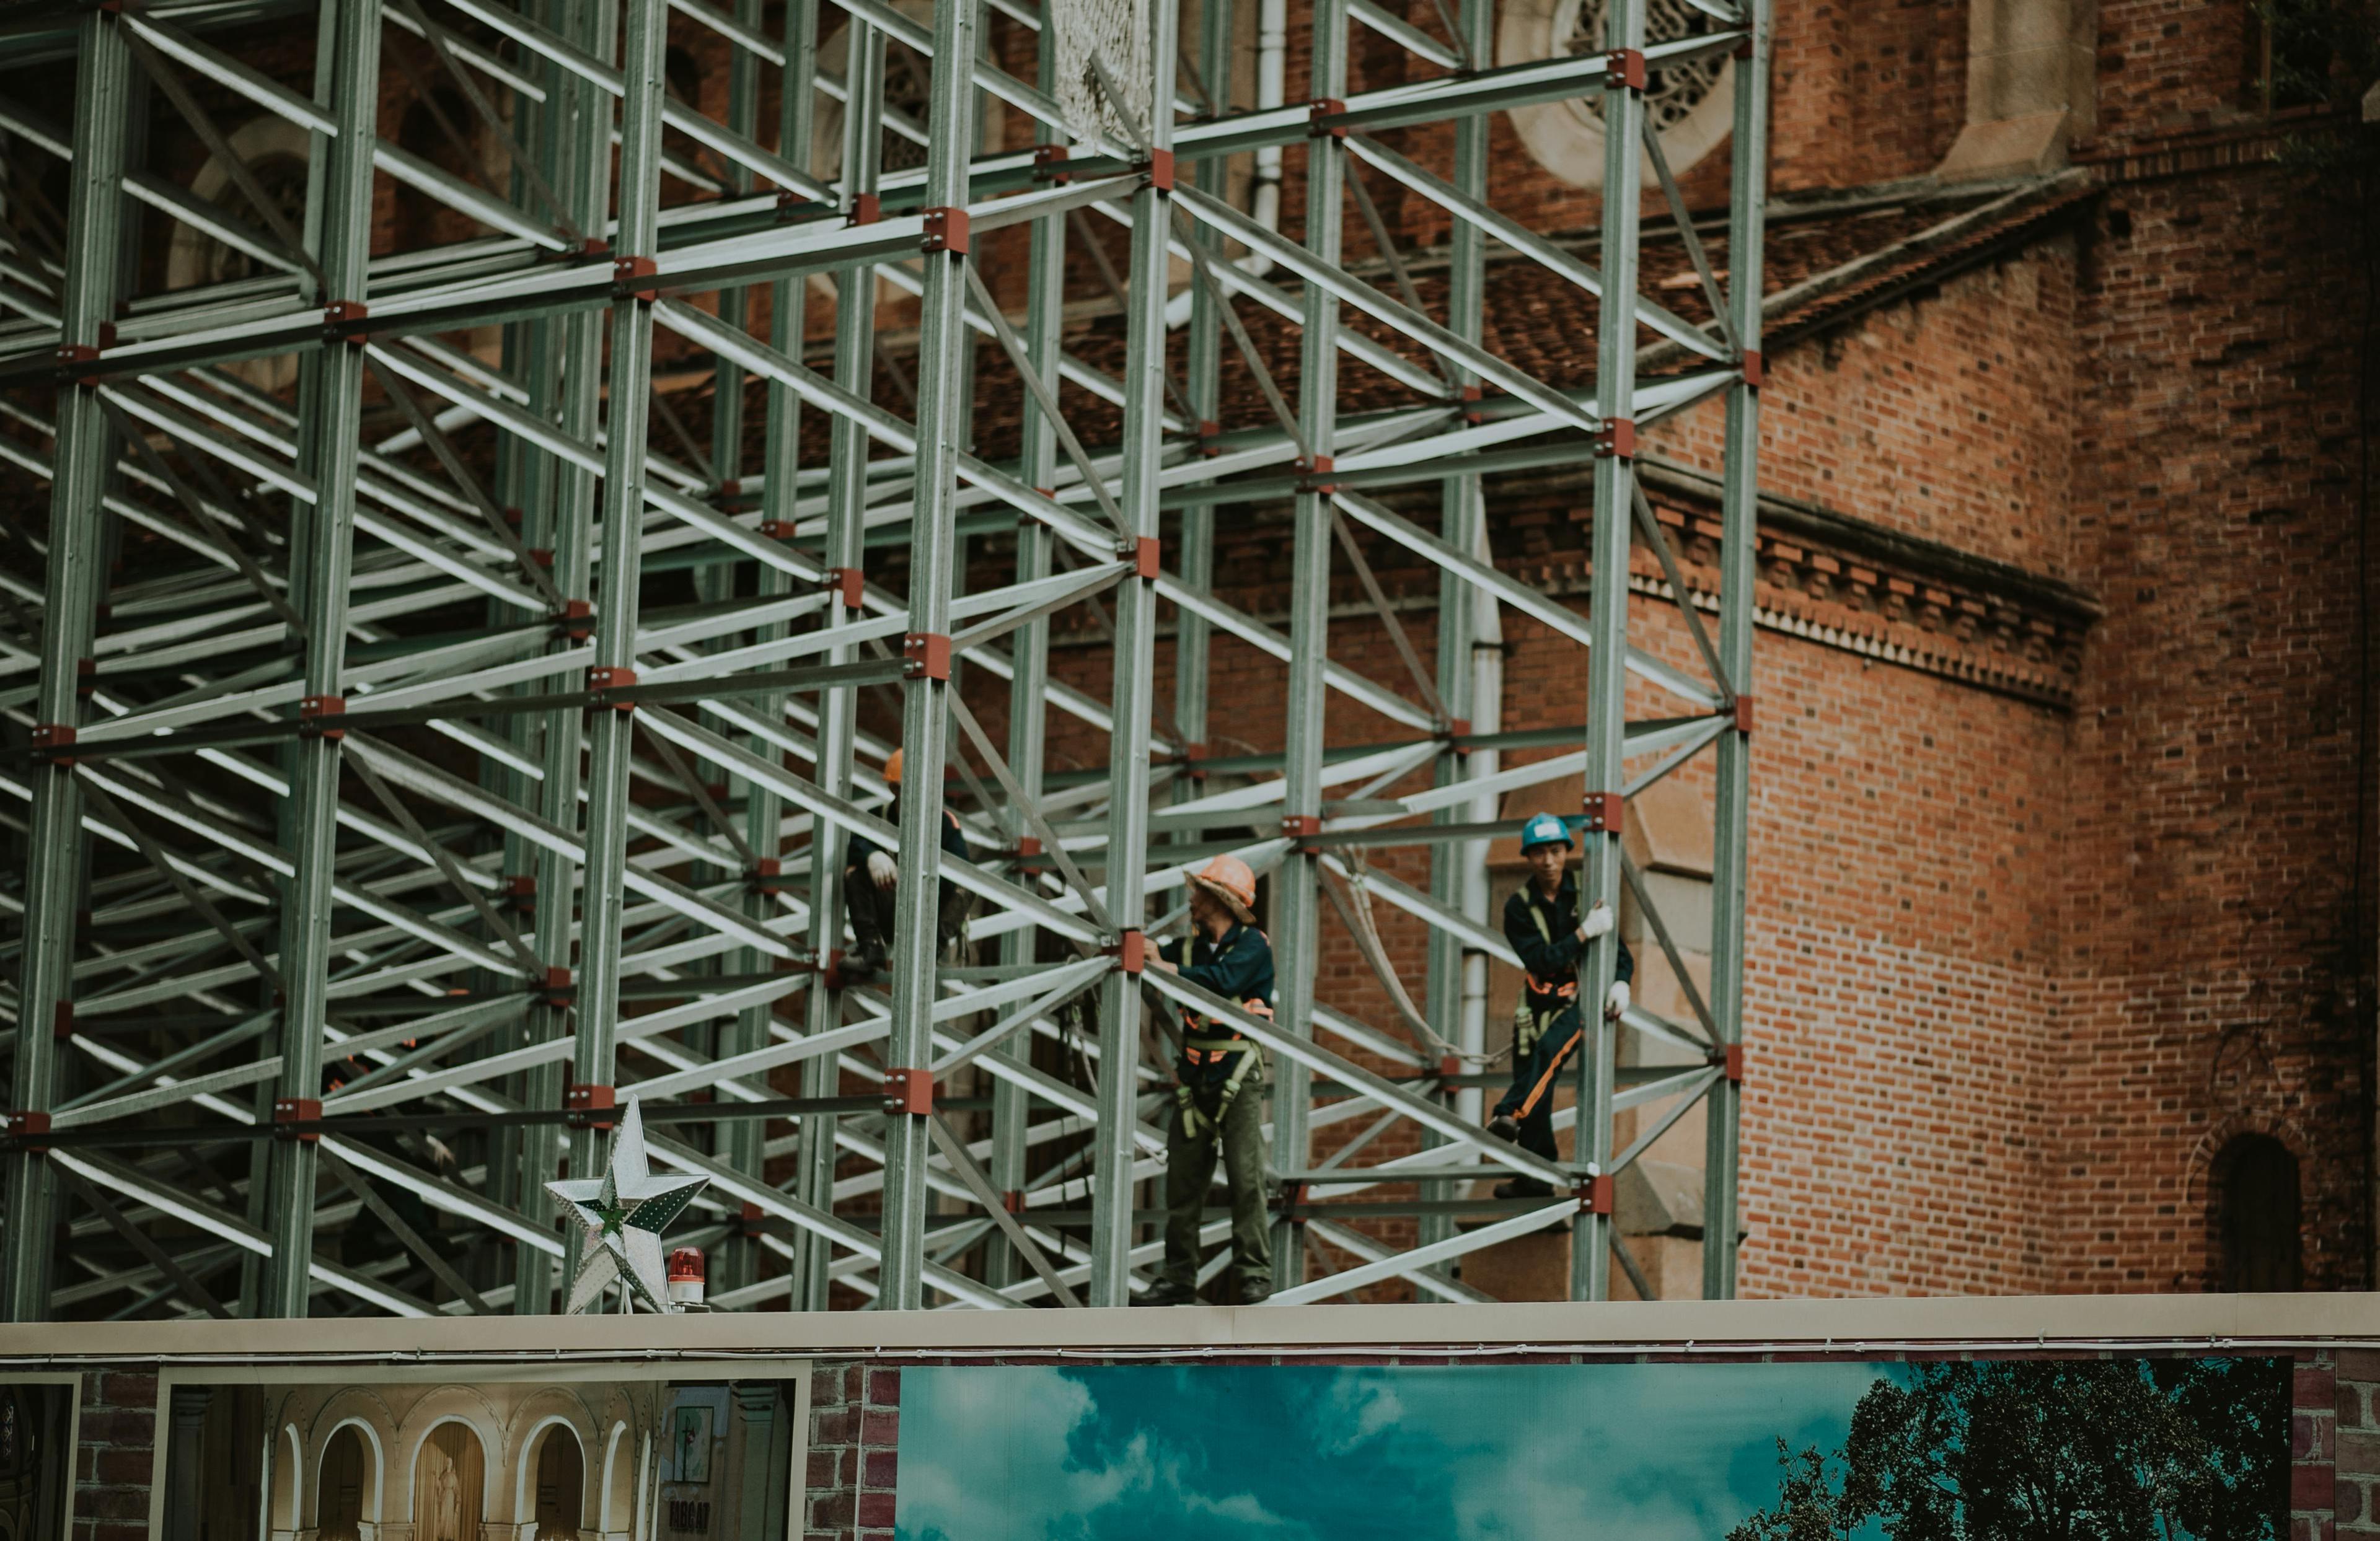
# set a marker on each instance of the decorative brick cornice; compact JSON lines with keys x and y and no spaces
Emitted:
{"x":1843,"y":582}
{"x":1826,"y":578}
{"x":2250,"y":141}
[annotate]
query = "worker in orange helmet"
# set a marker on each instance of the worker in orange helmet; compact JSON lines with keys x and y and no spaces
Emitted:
{"x":1218,"y":1092}
{"x":870,"y":878}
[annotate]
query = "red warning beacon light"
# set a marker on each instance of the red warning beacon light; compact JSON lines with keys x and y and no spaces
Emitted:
{"x":686,"y":1276}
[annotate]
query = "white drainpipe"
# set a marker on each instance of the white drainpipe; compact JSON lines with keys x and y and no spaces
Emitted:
{"x":1264,"y":197}
{"x":1272,"y":53}
{"x":1486,"y":716}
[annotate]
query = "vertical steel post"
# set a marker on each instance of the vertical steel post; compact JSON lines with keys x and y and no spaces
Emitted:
{"x":76,"y":571}
{"x":583,"y":152}
{"x":263,"y":1194}
{"x":942,"y":364}
{"x":1135,"y":688}
{"x":717,"y":581}
{"x":855,"y":369}
{"x":525,"y":477}
{"x":609,"y":730}
{"x":1296,"y":932}
{"x":738,"y":1143}
{"x":1453,"y":866}
{"x":329,"y":440}
{"x":742,"y":1144}
{"x":525,"y":485}
{"x":1194,"y":560}
{"x":1739,"y":516}
{"x":1615,"y":384}
{"x":1045,"y":306}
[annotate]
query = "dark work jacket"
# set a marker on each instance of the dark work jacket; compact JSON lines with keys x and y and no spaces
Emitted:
{"x":1238,"y":968}
{"x":1552,"y":984}
{"x":860,"y":848}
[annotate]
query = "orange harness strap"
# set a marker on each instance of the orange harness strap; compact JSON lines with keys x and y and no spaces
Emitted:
{"x":1529,"y":1103}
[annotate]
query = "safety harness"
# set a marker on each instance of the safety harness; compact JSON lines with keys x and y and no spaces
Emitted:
{"x":1207,"y":1042}
{"x":1528,"y":1019}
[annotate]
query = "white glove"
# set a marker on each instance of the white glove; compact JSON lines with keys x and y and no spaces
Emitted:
{"x":882,"y":868}
{"x":1617,"y":1002}
{"x":1598,"y":921}
{"x":442,"y":1158}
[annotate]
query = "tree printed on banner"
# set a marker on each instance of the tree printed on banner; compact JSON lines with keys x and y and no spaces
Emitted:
{"x":2049,"y":1451}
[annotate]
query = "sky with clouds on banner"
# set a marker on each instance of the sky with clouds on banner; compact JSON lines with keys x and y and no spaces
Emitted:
{"x":1495,"y":1452}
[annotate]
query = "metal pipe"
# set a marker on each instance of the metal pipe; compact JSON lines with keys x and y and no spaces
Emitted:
{"x":925,"y":718}
{"x":331,"y":418}
{"x":1740,"y":511}
{"x":1458,"y":974}
{"x":1134,"y":691}
{"x":854,"y":368}
{"x":1045,"y":306}
{"x":1598,"y":881}
{"x":1296,"y":893}
{"x":610,"y":732}
{"x":55,"y":843}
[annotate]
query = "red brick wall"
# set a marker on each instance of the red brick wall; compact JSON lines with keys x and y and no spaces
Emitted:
{"x":1951,"y":415}
{"x":2218,"y":934}
{"x":2165,"y":66}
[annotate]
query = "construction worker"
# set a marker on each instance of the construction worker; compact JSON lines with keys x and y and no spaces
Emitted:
{"x":1218,"y":1089}
{"x":870,"y":875}
{"x":1541,"y":921}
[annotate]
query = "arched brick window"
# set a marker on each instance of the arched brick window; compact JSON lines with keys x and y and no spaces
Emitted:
{"x":2256,"y":1216}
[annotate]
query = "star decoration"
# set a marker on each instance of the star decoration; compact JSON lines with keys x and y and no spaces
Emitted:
{"x":625,"y":1212}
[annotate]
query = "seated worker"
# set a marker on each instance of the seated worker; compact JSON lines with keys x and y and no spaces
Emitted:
{"x":1542,"y":923}
{"x":1218,"y":1092}
{"x":869,"y":874}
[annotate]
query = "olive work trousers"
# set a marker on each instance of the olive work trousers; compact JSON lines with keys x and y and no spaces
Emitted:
{"x":1190,"y":1171}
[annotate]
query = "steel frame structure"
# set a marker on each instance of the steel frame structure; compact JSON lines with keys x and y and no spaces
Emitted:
{"x":250,"y":844}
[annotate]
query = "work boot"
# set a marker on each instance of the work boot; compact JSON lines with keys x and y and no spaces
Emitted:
{"x":1255,"y":1292}
{"x":867,"y":960}
{"x":1524,"y":1187}
{"x":1168,"y":1292}
{"x":1505,"y":1128}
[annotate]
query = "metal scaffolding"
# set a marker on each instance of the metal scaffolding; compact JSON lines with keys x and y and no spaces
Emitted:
{"x":386,"y":767}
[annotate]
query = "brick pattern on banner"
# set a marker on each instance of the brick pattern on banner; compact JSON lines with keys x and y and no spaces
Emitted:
{"x":115,"y":1460}
{"x":855,"y":1452}
{"x":2354,"y":1445}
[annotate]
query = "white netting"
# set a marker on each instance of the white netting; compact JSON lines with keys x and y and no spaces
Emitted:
{"x":1117,"y":33}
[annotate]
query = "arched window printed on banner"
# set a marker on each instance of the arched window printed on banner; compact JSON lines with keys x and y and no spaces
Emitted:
{"x":36,"y":1469}
{"x":585,"y":1459}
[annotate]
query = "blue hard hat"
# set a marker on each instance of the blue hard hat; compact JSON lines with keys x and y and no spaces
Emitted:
{"x":1543,"y":829}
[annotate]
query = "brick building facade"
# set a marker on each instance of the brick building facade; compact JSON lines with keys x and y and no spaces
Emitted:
{"x":2059,"y":898}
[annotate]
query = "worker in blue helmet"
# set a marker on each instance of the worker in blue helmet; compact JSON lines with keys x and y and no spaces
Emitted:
{"x":1542,"y":922}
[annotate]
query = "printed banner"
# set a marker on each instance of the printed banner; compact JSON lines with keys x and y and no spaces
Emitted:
{"x":1951,"y":1449}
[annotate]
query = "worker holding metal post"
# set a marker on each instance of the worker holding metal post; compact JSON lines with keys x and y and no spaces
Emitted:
{"x":1542,"y":922}
{"x":1218,"y":1089}
{"x":870,"y":877}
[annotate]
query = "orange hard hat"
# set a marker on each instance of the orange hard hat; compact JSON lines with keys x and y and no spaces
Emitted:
{"x":893,"y":768}
{"x":1228,"y":879}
